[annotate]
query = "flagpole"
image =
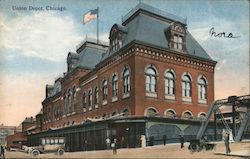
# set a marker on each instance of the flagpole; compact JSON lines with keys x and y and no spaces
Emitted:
{"x":97,"y":27}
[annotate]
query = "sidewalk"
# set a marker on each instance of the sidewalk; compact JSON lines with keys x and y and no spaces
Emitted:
{"x":241,"y":149}
{"x":241,"y":153}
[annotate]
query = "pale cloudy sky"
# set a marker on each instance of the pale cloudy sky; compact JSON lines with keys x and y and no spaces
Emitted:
{"x":34,"y":44}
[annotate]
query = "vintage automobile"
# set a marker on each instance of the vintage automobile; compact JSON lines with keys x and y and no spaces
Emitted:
{"x":49,"y":145}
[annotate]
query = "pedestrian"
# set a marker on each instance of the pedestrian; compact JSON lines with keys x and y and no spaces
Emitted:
{"x":164,"y":139}
{"x":226,"y":139}
{"x":114,"y":147}
{"x":108,"y":143}
{"x":2,"y":151}
{"x":182,"y":141}
{"x":122,"y":142}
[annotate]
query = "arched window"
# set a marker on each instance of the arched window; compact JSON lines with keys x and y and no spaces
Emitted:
{"x":170,"y":113}
{"x":186,"y":86}
{"x":126,"y":81}
{"x":90,"y":99}
{"x":151,"y":83}
{"x":114,"y":85}
{"x":116,"y":42}
{"x":64,"y":104}
{"x":69,"y":101}
{"x":115,"y":39}
{"x":104,"y":90}
{"x":74,"y":99}
{"x":84,"y":99}
{"x":151,"y":112}
{"x":187,"y":115}
{"x":202,"y":88}
{"x":96,"y":100}
{"x":202,"y":116}
{"x":169,"y":83}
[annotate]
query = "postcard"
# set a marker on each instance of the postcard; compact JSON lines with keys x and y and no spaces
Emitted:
{"x":124,"y":79}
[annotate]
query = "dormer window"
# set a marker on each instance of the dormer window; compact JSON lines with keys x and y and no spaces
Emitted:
{"x":178,"y":42}
{"x":115,"y":41}
{"x":177,"y":37}
{"x":116,"y":35}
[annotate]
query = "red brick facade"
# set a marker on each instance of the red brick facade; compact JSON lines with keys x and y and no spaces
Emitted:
{"x":136,"y":58}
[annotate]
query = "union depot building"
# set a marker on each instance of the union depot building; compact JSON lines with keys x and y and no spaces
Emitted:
{"x":151,"y":81}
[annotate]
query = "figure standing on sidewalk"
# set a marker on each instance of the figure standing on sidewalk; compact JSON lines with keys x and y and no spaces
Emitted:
{"x":108,"y":143}
{"x":114,"y":147}
{"x":164,"y":139}
{"x":2,"y":151}
{"x":182,"y":141}
{"x":226,"y":139}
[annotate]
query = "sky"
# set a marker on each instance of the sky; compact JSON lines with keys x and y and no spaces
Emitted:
{"x":34,"y":44}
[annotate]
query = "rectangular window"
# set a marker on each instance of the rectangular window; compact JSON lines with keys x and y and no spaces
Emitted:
{"x":65,"y":105}
{"x":90,"y":100}
{"x":96,"y":97}
{"x":69,"y":104}
{"x":178,"y":42}
{"x":74,"y":102}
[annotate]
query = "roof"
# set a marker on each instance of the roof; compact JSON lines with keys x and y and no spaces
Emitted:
{"x":29,"y":120}
{"x":151,"y":30}
{"x":89,"y":53}
{"x":156,"y":11}
{"x":89,"y":57}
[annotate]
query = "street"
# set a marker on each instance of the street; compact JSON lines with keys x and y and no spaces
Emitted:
{"x":239,"y":150}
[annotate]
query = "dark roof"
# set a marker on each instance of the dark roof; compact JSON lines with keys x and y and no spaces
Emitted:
{"x":73,"y":55}
{"x":29,"y":120}
{"x":89,"y":57}
{"x":153,"y":10}
{"x":152,"y":31}
{"x":89,"y":53}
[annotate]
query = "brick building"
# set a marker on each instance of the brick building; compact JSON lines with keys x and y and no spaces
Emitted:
{"x":152,"y":78}
{"x":5,"y":131}
{"x":29,"y":126}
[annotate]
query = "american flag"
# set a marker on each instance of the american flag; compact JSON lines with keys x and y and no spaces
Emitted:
{"x":90,"y":15}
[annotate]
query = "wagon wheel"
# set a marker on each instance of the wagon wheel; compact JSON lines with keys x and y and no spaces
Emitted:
{"x":35,"y":152}
{"x":194,"y":147}
{"x":60,"y":151}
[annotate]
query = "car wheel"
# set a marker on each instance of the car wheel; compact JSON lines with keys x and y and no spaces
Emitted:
{"x":193,"y":147}
{"x":35,"y":152}
{"x":60,"y":152}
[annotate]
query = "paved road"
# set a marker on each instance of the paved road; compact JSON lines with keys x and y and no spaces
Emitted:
{"x":168,"y":151}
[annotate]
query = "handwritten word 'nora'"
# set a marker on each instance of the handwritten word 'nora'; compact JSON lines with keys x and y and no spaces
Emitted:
{"x":221,"y":34}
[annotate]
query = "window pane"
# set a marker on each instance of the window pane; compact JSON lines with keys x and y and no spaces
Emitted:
{"x":147,"y":79}
{"x":175,"y":45}
{"x":171,"y":83}
{"x":147,"y":87}
{"x":199,"y":91}
{"x":180,"y":46}
{"x":183,"y":88}
{"x":169,"y":75}
{"x":180,"y":39}
{"x":153,"y":88}
{"x":153,"y":80}
{"x":175,"y":38}
{"x":151,"y":71}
